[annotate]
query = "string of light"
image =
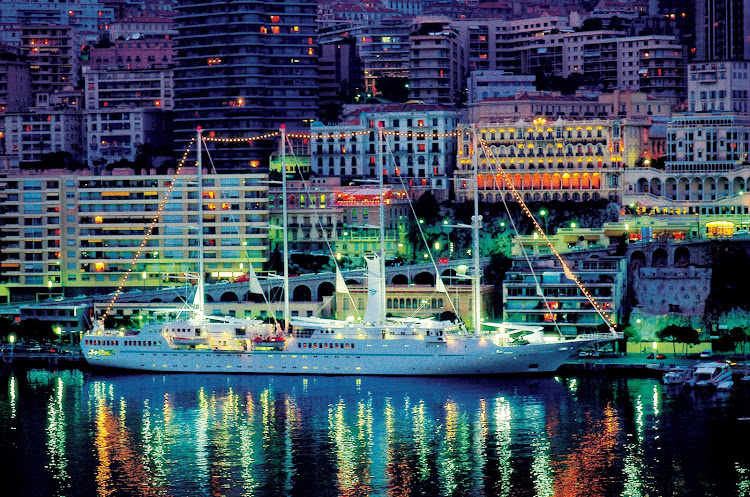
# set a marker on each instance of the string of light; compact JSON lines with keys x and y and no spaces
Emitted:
{"x":319,"y":136}
{"x":150,"y":230}
{"x":540,"y":231}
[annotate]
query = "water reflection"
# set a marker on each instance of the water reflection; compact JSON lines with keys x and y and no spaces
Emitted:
{"x":277,"y":436}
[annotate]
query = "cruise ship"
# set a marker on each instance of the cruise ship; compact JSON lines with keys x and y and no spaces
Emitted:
{"x":372,"y":345}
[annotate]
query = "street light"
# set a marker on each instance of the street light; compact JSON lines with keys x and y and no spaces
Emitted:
{"x":573,"y":225}
{"x":543,"y":213}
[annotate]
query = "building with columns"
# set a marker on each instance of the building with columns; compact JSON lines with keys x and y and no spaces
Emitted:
{"x":564,"y":160}
{"x":707,"y":168}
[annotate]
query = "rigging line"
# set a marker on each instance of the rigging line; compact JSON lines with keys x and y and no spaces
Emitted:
{"x":610,"y":323}
{"x":145,"y":239}
{"x":526,"y":256}
{"x":422,"y":235}
{"x":269,"y":309}
{"x":319,"y":222}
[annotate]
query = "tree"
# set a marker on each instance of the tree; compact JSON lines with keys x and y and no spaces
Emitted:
{"x":392,"y":88}
{"x":682,"y":334}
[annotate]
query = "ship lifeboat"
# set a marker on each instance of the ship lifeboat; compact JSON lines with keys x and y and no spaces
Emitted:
{"x":269,"y":343}
{"x":269,"y":339}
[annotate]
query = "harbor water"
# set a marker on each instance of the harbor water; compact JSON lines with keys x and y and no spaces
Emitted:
{"x":82,"y":433}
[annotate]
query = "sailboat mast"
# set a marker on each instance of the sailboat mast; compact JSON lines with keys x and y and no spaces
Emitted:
{"x":476,"y":224}
{"x":200,"y":290}
{"x":284,"y":230}
{"x":381,"y":186}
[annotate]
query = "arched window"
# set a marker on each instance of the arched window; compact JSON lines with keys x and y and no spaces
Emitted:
{"x":322,"y":201}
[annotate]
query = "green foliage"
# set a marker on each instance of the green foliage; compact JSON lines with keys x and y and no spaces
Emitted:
{"x":727,"y":341}
{"x":392,"y":88}
{"x":116,"y":322}
{"x":730,"y":282}
{"x":679,"y":334}
{"x":30,"y":329}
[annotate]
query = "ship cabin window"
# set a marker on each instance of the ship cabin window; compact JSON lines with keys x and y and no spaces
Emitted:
{"x":239,"y":332}
{"x":197,"y":332}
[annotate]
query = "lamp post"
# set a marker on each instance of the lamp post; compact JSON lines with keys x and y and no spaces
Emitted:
{"x":12,"y":340}
{"x":543,"y":213}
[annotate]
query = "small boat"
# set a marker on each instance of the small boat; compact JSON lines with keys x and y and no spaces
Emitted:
{"x":675,"y":376}
{"x":269,"y":342}
{"x":711,"y":374}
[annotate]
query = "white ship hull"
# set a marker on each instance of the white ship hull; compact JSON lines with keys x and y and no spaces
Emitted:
{"x":396,"y":357}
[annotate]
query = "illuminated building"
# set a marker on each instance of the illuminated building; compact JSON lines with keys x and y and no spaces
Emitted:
{"x":244,"y":69}
{"x":708,"y":152}
{"x":327,"y":218}
{"x":84,"y":15}
{"x":75,"y":232}
{"x":549,"y":160}
{"x":53,"y":55}
{"x":419,"y":145}
{"x":561,"y":303}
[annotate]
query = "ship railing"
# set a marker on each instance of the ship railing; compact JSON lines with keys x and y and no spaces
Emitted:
{"x":599,"y":336}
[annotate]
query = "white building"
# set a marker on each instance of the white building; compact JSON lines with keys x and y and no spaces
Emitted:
{"x":493,"y":84}
{"x":64,"y":229}
{"x":721,"y":86}
{"x":707,"y":168}
{"x":419,"y":145}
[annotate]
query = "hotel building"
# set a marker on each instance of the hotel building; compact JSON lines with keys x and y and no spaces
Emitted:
{"x":78,"y":233}
{"x":563,"y":160}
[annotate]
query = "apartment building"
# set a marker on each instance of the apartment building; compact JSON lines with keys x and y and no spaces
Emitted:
{"x":85,"y":15}
{"x":382,"y":46}
{"x":125,"y":109}
{"x":436,"y":63}
{"x":244,"y":69}
{"x":53,"y":55}
{"x":546,"y":297}
{"x":54,"y":124}
{"x":719,"y":86}
{"x":79,"y":233}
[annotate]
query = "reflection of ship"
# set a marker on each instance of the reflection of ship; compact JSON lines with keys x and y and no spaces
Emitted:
{"x":376,"y":345}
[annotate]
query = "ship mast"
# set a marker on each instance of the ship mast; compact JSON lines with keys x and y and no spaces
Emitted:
{"x":476,"y":225}
{"x":284,"y":230}
{"x":382,"y":223}
{"x":200,"y":288}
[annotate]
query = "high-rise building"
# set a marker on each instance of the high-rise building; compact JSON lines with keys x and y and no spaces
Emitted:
{"x":722,"y":29}
{"x":245,"y":68}
{"x":73,"y":232}
{"x":436,"y":62}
